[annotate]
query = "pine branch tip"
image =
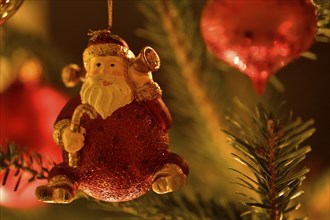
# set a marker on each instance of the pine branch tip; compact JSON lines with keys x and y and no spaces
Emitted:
{"x":20,"y":160}
{"x":273,"y":149}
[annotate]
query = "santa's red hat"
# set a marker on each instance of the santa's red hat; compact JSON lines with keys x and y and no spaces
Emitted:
{"x":103,"y":43}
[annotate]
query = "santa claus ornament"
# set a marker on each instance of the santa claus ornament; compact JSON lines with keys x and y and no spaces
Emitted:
{"x":258,"y":37}
{"x":114,"y":134}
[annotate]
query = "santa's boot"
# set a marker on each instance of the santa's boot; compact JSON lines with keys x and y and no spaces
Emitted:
{"x":58,"y":190}
{"x":169,"y":178}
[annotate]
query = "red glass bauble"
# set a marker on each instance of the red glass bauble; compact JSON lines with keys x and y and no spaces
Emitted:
{"x":27,"y":116}
{"x":258,"y":37}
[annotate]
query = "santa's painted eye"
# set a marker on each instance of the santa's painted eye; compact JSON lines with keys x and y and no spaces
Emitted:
{"x":112,"y":65}
{"x":98,"y":64}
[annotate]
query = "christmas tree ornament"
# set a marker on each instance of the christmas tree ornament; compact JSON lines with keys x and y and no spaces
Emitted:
{"x":8,"y":8}
{"x":114,"y":135}
{"x":258,"y":37}
{"x":27,"y":109}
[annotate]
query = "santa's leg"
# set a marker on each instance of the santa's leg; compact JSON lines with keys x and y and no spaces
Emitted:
{"x":171,"y":176}
{"x":60,"y":187}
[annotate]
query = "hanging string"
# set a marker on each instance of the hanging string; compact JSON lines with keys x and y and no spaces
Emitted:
{"x":109,"y":14}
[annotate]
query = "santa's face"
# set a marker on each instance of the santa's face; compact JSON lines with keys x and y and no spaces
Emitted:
{"x":105,"y":87}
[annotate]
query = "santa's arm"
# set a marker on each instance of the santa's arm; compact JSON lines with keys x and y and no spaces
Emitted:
{"x":63,"y":120}
{"x":149,"y":95}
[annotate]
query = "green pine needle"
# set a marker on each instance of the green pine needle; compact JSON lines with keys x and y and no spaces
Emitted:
{"x":14,"y":158}
{"x":270,"y":148}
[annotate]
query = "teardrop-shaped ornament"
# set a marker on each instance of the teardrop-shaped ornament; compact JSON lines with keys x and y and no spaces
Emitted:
{"x":258,"y":37}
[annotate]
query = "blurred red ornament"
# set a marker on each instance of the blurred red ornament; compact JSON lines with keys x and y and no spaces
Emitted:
{"x":258,"y":37}
{"x":28,"y":111}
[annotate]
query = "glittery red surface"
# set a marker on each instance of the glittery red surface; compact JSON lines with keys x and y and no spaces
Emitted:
{"x":120,"y":154}
{"x":258,"y":37}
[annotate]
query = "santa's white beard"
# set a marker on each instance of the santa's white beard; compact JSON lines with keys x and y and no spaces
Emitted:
{"x":105,"y":99}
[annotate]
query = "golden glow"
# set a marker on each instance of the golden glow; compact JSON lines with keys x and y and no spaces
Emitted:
{"x":31,"y":71}
{"x":3,"y":194}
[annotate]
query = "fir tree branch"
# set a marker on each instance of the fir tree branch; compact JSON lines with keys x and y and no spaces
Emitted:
{"x":272,"y":150}
{"x":190,"y":66}
{"x":323,"y":11}
{"x":196,"y":142}
{"x":21,"y":161}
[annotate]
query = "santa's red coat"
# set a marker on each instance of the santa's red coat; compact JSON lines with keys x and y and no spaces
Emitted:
{"x":122,"y":152}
